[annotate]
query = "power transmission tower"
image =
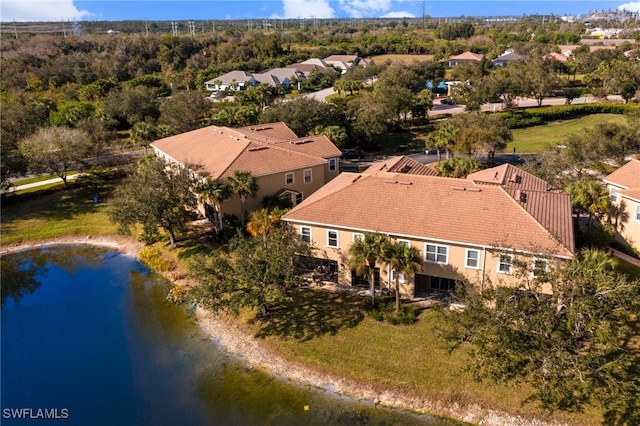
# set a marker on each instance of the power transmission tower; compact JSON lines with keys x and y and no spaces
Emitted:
{"x":174,"y":29}
{"x":192,"y":28}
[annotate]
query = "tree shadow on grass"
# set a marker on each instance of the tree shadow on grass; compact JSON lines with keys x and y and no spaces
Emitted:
{"x":309,"y":313}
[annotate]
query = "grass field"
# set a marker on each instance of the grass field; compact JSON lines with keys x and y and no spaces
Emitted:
{"x":404,"y":59}
{"x":534,"y":139}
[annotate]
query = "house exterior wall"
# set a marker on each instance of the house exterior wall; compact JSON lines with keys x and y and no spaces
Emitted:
{"x":484,"y":271}
{"x":629,"y":226}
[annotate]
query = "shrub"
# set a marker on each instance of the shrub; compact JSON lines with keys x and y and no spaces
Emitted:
{"x":385,"y":310}
{"x":537,"y":116}
{"x":153,"y":259}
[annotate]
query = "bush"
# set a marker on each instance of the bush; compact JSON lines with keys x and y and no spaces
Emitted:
{"x":153,"y":259}
{"x":537,"y":116}
{"x":385,"y":310}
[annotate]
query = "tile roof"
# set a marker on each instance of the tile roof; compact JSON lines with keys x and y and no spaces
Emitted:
{"x":221,"y":150}
{"x":232,"y":76}
{"x":627,"y":176}
{"x":467,"y":56}
{"x":633,"y":194}
{"x":509,"y":176}
{"x":401,"y":164}
{"x":438,"y":208}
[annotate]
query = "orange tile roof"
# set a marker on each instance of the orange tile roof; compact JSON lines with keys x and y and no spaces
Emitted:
{"x":468,"y":56}
{"x":633,"y":194}
{"x":401,"y":164}
{"x":438,"y":208}
{"x":509,"y":176}
{"x":220,"y":151}
{"x":627,"y":176}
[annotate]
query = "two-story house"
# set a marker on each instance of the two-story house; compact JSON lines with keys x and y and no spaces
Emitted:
{"x":282,"y":163}
{"x":468,"y":230}
{"x":624,"y":192}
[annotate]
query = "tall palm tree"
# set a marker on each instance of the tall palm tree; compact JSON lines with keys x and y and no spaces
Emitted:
{"x":364,"y":253}
{"x":245,"y":185}
{"x":216,"y":191}
{"x":444,"y":137}
{"x":263,"y":222}
{"x":590,"y":197}
{"x":403,"y":259}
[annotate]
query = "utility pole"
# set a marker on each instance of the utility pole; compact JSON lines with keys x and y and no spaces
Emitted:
{"x":15,"y":29}
{"x":423,"y":26}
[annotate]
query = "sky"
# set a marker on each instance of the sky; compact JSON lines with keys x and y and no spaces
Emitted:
{"x":175,"y":10}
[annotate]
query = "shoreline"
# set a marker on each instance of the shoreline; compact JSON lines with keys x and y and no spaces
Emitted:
{"x":239,"y":342}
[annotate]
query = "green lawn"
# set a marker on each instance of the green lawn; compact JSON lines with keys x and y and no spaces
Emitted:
{"x":534,"y":139}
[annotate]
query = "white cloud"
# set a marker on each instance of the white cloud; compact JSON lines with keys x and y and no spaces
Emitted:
{"x":305,"y":9}
{"x":28,"y":10}
{"x":365,"y":8}
{"x":399,"y":14}
{"x":631,"y":7}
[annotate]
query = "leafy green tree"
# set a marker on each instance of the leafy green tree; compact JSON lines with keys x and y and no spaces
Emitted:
{"x":243,"y":184}
{"x":336,"y":134}
{"x":215,"y":191}
{"x":458,"y":167}
{"x":184,"y":111}
{"x":55,"y":149}
{"x":575,"y":346}
{"x":130,"y":105}
{"x":616,"y":76}
{"x":302,"y":115}
{"x":540,"y":78}
{"x":481,"y":132}
{"x":155,"y":196}
{"x":402,"y":259}
{"x":255,"y":274}
{"x":364,"y":253}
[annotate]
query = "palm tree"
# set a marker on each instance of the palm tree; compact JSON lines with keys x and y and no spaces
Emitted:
{"x":403,"y":259}
{"x":245,"y":185}
{"x":216,"y":191}
{"x":444,"y":137}
{"x":263,"y":222}
{"x":363,"y":255}
{"x":590,"y":197}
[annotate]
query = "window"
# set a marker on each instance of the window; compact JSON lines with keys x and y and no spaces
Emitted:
{"x":539,"y":267}
{"x":307,"y":176}
{"x":332,"y":239}
{"x":435,"y":253}
{"x":405,"y":242}
{"x":332,"y":165}
{"x":638,"y":213}
{"x":472,"y":259}
{"x":288,"y":179}
{"x":613,"y":194}
{"x":357,"y":236}
{"x":400,"y":277}
{"x":305,"y":234}
{"x":299,"y":198}
{"x":505,"y":264}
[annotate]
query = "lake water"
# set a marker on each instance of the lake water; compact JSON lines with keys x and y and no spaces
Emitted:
{"x":87,"y":339}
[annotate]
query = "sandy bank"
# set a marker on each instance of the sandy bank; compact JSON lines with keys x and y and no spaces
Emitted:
{"x":238,"y":341}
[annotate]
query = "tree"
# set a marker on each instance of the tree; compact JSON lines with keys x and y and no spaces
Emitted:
{"x":302,"y":115}
{"x":589,"y":197}
{"x":244,"y":185}
{"x":255,"y":274}
{"x":55,"y":149}
{"x":540,"y":78}
{"x":156,"y":195}
{"x":403,"y":259}
{"x":216,"y":191}
{"x":574,"y":346}
{"x":444,"y":136}
{"x":480,"y":131}
{"x":364,"y":253}
{"x":458,"y":167}
{"x":184,"y":111}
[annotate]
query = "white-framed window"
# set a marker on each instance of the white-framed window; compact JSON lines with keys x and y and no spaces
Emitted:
{"x":436,"y":253}
{"x":613,"y":194}
{"x":638,"y":213}
{"x":299,"y":198}
{"x":308,"y":177}
{"x":400,"y":277}
{"x":357,"y":236}
{"x":472,"y":259}
{"x":332,"y":238}
{"x":288,"y":179}
{"x":332,"y":164}
{"x":405,"y":242}
{"x":505,"y":264}
{"x":539,"y":267}
{"x":305,"y":234}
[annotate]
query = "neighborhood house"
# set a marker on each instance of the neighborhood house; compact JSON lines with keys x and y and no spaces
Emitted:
{"x":624,"y":192}
{"x":282,"y":163}
{"x":468,"y":230}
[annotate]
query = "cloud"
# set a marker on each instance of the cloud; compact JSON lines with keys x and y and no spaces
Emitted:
{"x":399,"y":14}
{"x":364,"y":8}
{"x":631,"y":7}
{"x":31,"y":11}
{"x":305,"y":9}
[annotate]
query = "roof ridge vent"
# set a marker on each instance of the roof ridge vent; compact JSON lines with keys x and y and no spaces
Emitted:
{"x":404,"y":182}
{"x":257,"y":148}
{"x":390,"y":181}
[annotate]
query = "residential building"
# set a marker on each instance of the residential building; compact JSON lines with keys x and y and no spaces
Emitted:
{"x":462,"y":58}
{"x":467,"y":230}
{"x":506,"y":58}
{"x":233,"y":80}
{"x":282,"y":163}
{"x":344,"y":62}
{"x":624,"y":192}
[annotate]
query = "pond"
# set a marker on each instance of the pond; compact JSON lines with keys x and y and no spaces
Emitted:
{"x":87,"y":338}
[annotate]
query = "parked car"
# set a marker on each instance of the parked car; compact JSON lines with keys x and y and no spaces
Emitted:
{"x":352,"y":154}
{"x":448,"y":101}
{"x":433,"y":150}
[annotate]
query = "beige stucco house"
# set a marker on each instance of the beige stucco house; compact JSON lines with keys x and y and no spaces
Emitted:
{"x":624,"y":192}
{"x":282,"y":163}
{"x":467,"y":230}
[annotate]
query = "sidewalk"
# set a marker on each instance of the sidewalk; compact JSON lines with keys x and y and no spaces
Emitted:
{"x":42,"y":183}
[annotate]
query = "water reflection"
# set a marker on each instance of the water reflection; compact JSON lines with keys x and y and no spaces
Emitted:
{"x":87,"y":329}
